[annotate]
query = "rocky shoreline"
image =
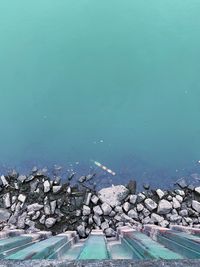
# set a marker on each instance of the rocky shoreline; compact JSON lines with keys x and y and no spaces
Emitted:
{"x":37,"y":202}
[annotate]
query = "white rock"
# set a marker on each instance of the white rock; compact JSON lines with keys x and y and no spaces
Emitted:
{"x":197,"y":189}
{"x":34,"y":207}
{"x":36,"y":216}
{"x":164,"y":223}
{"x":97,"y":219}
{"x":53,"y":206}
{"x":196,"y":205}
{"x":113,"y":195}
{"x":160,"y":193}
{"x":47,"y":186}
{"x":175,"y":218}
{"x":50,"y":222}
{"x":150,"y":204}
{"x":6,"y":200}
{"x":106,"y":209}
{"x":56,"y":188}
{"x":109,"y":232}
{"x":164,"y":207}
{"x":183,"y":213}
{"x":179,"y":198}
{"x":86,"y":210}
{"x":4,"y":181}
{"x":156,"y":218}
{"x":14,"y":198}
{"x":94,"y":199}
{"x":97,"y":210}
{"x":180,"y":192}
{"x":146,"y":212}
{"x":140,"y":197}
{"x":133,"y":214}
{"x":133,"y":199}
{"x":42,"y":219}
{"x":47,"y":209}
{"x":126,"y":206}
{"x":140,"y":207}
{"x":176,"y":204}
{"x":21,"y":178}
{"x":104,"y":226}
{"x":22,"y":198}
{"x":118,"y":209}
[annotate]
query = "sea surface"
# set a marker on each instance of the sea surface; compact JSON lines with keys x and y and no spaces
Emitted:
{"x":108,"y":80}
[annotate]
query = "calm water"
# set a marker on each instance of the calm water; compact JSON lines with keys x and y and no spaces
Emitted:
{"x":111,"y":80}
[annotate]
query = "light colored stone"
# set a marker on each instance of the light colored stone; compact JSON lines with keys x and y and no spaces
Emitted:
{"x":110,"y":232}
{"x":50,"y":222}
{"x":106,"y":209}
{"x":34,"y":207}
{"x":53,"y":206}
{"x":126,"y":206}
{"x":140,"y":207}
{"x":47,"y":209}
{"x":113,"y":195}
{"x":57,"y":188}
{"x":180,"y":192}
{"x":164,"y":207}
{"x":197,"y":189}
{"x":4,"y":181}
{"x":140,"y":197}
{"x":156,"y":218}
{"x":4,"y":215}
{"x":97,"y":219}
{"x":160,"y":193}
{"x":21,"y":220}
{"x":42,"y":219}
{"x":150,"y":204}
{"x":97,"y":210}
{"x":196,"y":205}
{"x":21,"y":178}
{"x":47,"y":186}
{"x":118,"y":209}
{"x":6,"y":200}
{"x":133,"y":199}
{"x":104,"y":226}
{"x":22,"y":198}
{"x":179,"y":198}
{"x":164,"y":223}
{"x":94,"y":199}
{"x":146,"y":212}
{"x":183,"y":213}
{"x":176,"y":204}
{"x":175,"y":218}
{"x":36,"y":216}
{"x":133,"y":214}
{"x":86,"y":210}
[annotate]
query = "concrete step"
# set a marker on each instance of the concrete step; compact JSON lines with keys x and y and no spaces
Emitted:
{"x":180,"y":242}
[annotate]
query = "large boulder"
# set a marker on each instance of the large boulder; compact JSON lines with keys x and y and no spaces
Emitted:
{"x":150,"y":204}
{"x":196,"y":205}
{"x":164,"y":207}
{"x":113,"y":195}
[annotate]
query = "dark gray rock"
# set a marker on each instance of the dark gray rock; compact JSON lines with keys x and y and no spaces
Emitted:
{"x":132,"y":186}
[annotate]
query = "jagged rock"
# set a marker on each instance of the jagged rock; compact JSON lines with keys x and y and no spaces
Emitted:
{"x":21,"y":178}
{"x":183,"y":213}
{"x":13,"y":199}
{"x":118,"y":209}
{"x":160,"y":193}
{"x":90,"y":220}
{"x":47,"y":209}
{"x":133,"y":199}
{"x":175,"y":218}
{"x":164,"y":207}
{"x":97,"y":210}
{"x":176,"y":204}
{"x":179,"y":192}
{"x":146,"y":220}
{"x":133,"y":214}
{"x":22,"y":198}
{"x":47,"y":186}
{"x":87,"y":198}
{"x":4,"y":181}
{"x":179,"y":198}
{"x":42,"y":219}
{"x":112,"y":214}
{"x":126,"y":206}
{"x":13,"y":207}
{"x":196,"y":205}
{"x":156,"y":218}
{"x":146,"y":212}
{"x":56,"y":188}
{"x":50,"y":222}
{"x":109,"y":232}
{"x":53,"y":206}
{"x":36,"y":216}
{"x":33,"y":185}
{"x":191,"y":187}
{"x":6,"y":200}
{"x":94,"y":199}
{"x":140,"y":207}
{"x":4,"y":215}
{"x":113,"y":195}
{"x":197,"y":189}
{"x":150,"y":204}
{"x":182,"y":183}
{"x":30,"y":178}
{"x":106,"y":209}
{"x":13,"y":219}
{"x":164,"y":223}
{"x":57,"y":180}
{"x":188,"y":220}
{"x":140,"y":197}
{"x":169,"y":198}
{"x":81,"y":230}
{"x":78,"y":213}
{"x":86,"y":210}
{"x":126,"y":218}
{"x":104,"y":226}
{"x":21,"y":220}
{"x":131,"y":186}
{"x":97,"y":219}
{"x":34,"y":207}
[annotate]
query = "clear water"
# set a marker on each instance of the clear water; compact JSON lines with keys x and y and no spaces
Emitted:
{"x":115,"y":81}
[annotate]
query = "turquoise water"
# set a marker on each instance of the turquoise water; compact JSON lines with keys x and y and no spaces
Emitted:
{"x":111,"y":80}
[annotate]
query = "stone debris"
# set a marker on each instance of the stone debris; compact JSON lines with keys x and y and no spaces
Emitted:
{"x":36,"y":202}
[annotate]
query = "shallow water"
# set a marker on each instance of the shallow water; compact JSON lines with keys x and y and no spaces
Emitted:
{"x":115,"y":81}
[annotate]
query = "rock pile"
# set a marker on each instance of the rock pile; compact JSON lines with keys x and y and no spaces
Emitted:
{"x":35,"y":202}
